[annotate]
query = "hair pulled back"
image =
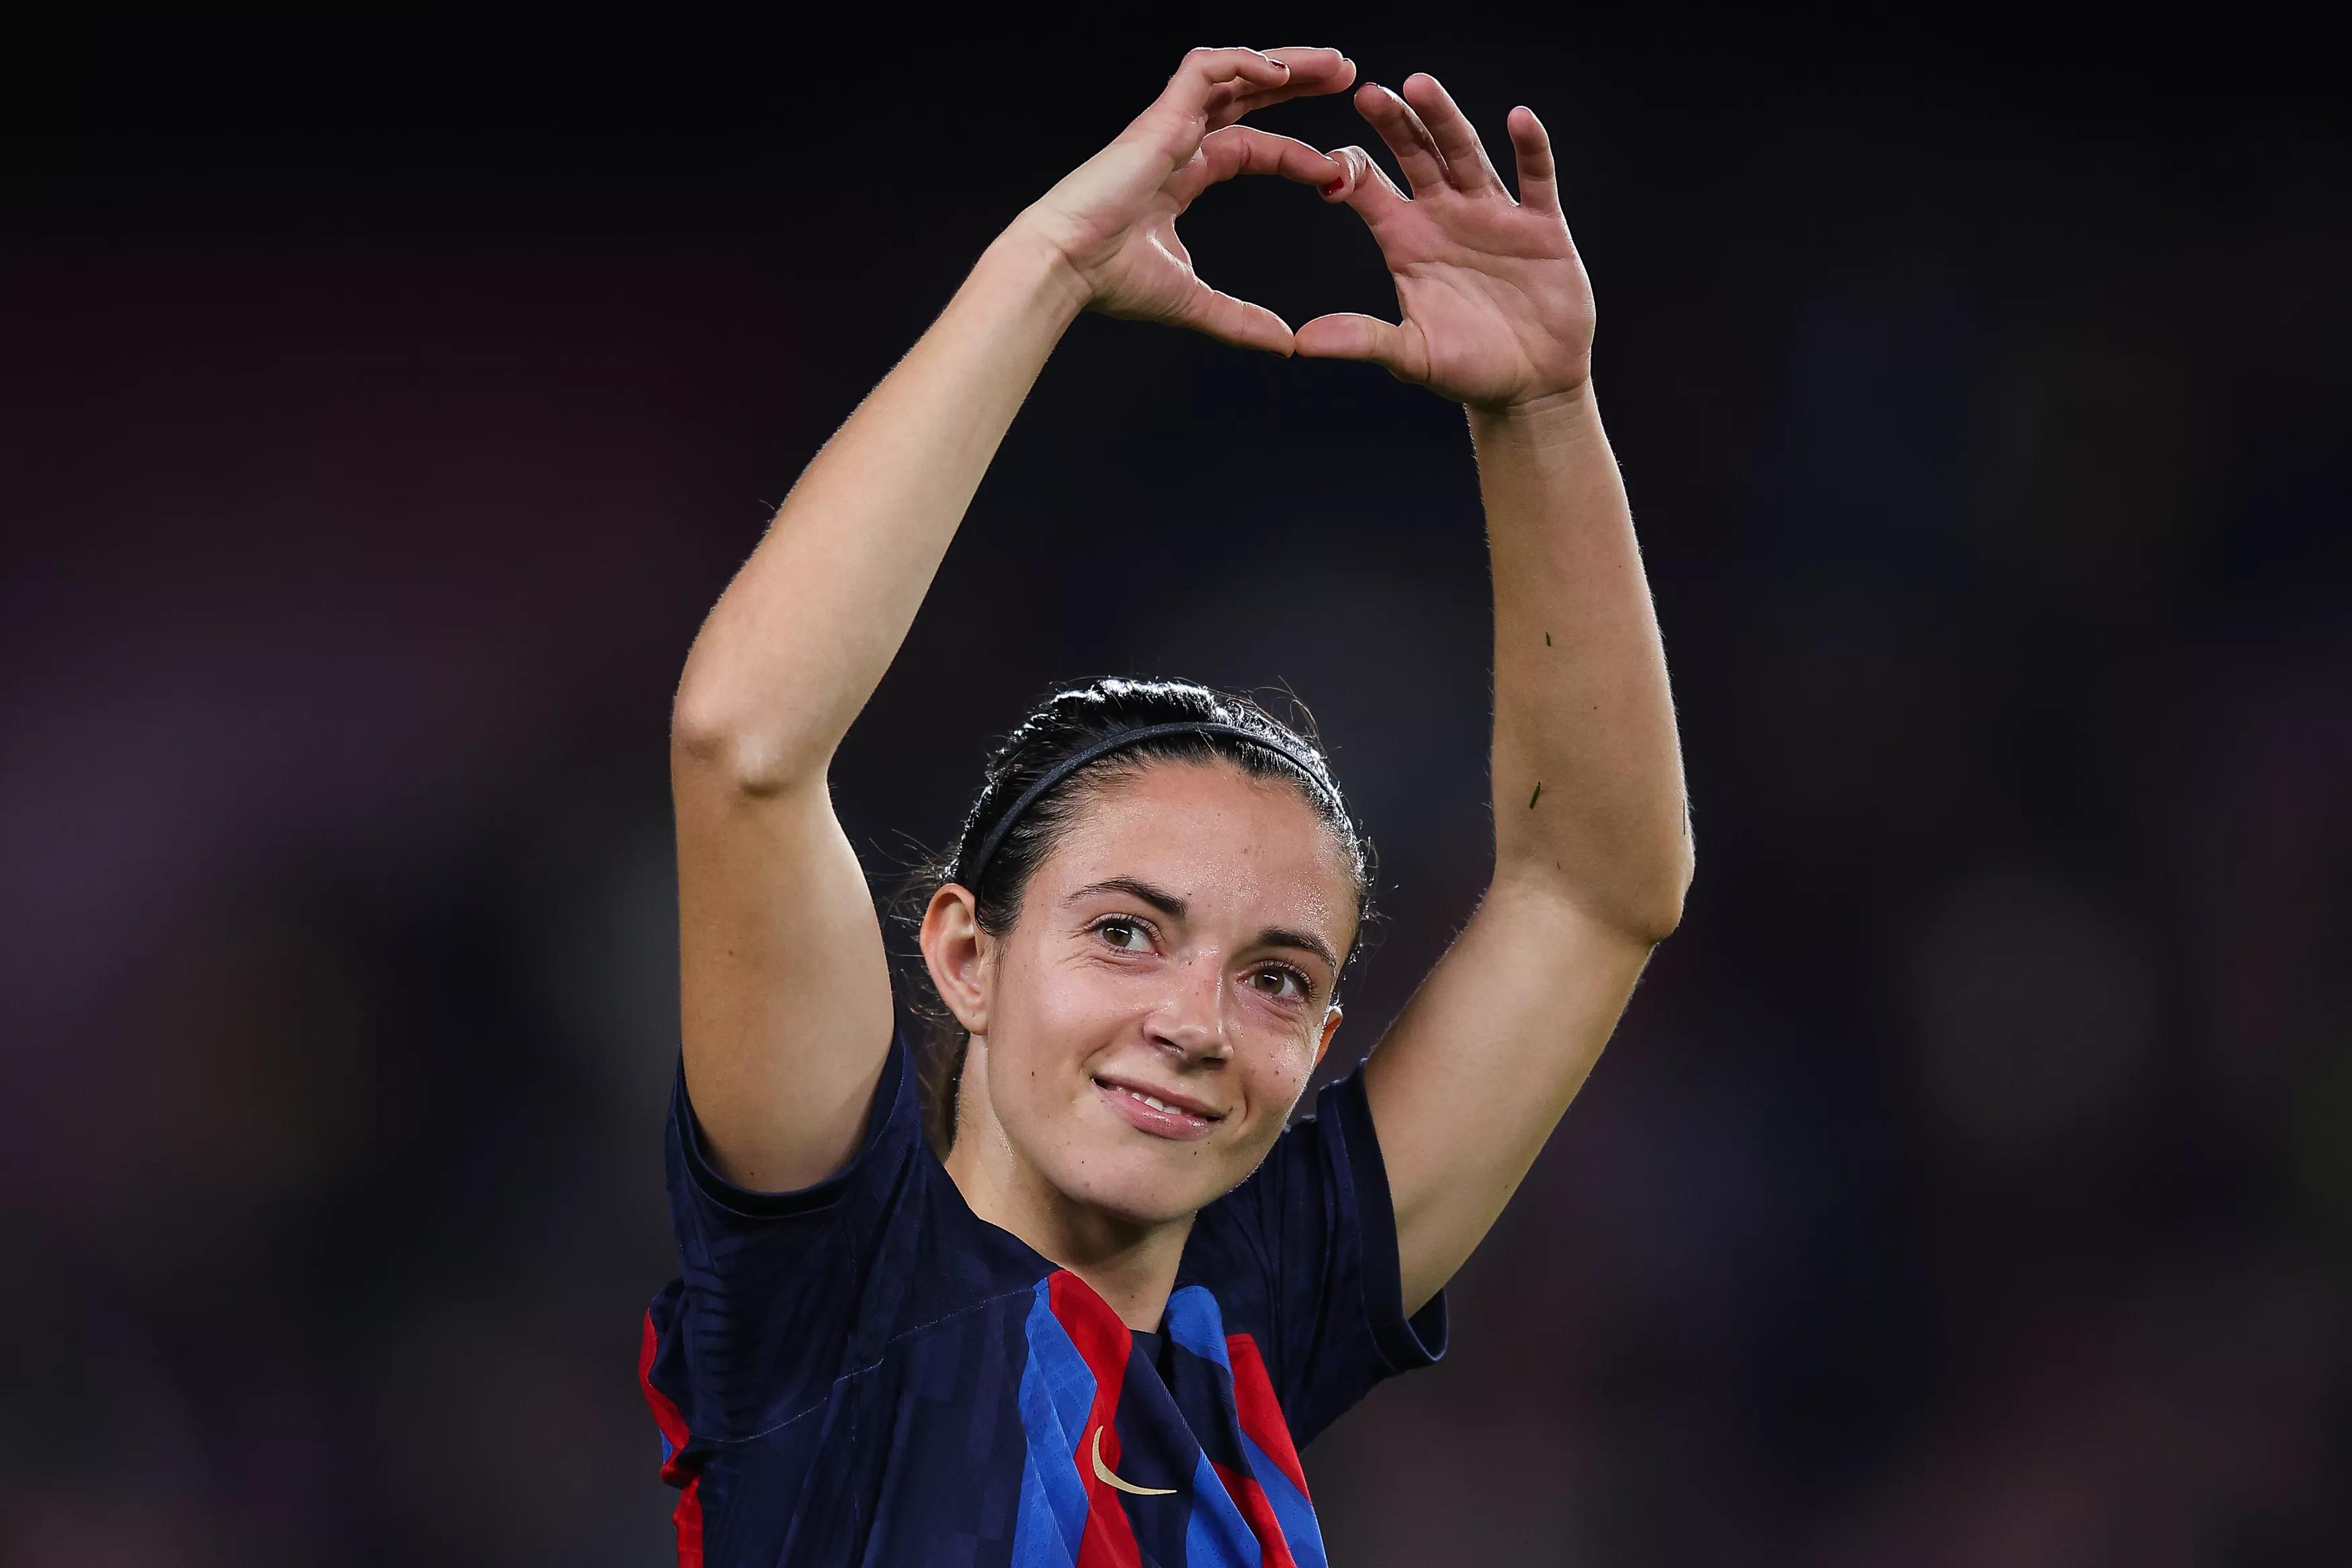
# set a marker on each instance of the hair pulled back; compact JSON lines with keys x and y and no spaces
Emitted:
{"x":1060,"y":724}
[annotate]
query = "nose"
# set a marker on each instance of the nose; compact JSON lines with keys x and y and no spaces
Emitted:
{"x":1191,"y":1020}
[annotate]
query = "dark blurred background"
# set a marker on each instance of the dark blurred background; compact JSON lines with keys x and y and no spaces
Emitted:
{"x":380,"y":411}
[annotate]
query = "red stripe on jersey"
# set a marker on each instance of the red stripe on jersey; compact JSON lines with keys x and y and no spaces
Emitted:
{"x":1250,"y":1498}
{"x":672,"y":1422}
{"x":1103,"y":1343}
{"x":1261,"y":1414}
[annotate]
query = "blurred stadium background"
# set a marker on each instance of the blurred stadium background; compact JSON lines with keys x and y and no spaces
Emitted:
{"x":1971,"y":1179}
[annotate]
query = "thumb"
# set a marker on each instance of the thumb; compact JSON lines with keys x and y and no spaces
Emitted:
{"x":1236,"y":322}
{"x":1347,"y":336}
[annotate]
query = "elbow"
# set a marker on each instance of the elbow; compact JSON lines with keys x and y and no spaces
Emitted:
{"x":1646,"y":909}
{"x":1660,"y":910}
{"x":1653,"y":916}
{"x":1640,"y":905}
{"x":1644,"y":899}
{"x":706,"y":741}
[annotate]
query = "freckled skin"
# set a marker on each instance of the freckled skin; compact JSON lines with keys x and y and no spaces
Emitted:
{"x":1197,"y":1004}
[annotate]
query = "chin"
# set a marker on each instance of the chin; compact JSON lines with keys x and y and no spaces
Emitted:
{"x":1146,"y":1186}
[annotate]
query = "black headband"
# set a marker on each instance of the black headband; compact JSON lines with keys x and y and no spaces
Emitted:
{"x":968,"y":871}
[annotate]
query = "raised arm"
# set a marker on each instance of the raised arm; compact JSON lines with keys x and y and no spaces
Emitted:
{"x":785,"y":987}
{"x":1592,"y":848}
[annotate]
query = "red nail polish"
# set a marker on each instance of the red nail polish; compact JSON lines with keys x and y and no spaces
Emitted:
{"x":1336,"y":186}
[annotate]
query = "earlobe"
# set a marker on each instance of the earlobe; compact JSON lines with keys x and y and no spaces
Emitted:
{"x":955,"y":951}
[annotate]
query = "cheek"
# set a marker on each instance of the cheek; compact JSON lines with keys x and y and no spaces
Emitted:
{"x":1050,"y":1024}
{"x":1075,"y":1015}
{"x":1278,"y":1077}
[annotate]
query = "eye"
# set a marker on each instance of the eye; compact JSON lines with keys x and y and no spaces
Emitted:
{"x":1280,"y":972}
{"x":1116,"y":932}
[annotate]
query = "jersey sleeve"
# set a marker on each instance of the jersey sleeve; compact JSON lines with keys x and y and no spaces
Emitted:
{"x":1304,"y":1253}
{"x":756,"y":1326}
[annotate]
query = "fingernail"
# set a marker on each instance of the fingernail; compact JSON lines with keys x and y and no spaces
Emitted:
{"x":1336,"y":186}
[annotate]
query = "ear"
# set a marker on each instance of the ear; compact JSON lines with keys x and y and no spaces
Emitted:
{"x":958,"y":953}
{"x":1331,"y":1017}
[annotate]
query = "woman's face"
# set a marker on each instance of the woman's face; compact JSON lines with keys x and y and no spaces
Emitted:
{"x":1180,"y":944}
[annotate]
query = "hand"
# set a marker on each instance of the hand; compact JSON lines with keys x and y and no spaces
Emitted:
{"x":1113,"y":219}
{"x":1497,"y":311}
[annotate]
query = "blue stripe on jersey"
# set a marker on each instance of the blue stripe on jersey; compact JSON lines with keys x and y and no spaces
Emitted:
{"x":1194,"y":1323}
{"x":1291,"y":1508}
{"x":1057,"y":1392}
{"x":1217,"y":1536}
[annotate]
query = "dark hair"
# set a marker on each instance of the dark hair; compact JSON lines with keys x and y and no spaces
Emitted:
{"x":1060,"y":724}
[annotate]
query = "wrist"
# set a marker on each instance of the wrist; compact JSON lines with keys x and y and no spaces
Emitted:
{"x":1027,"y":262}
{"x":1556,"y":409}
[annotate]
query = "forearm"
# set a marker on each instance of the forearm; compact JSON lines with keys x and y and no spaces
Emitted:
{"x":802,"y":635}
{"x":1587,"y":770}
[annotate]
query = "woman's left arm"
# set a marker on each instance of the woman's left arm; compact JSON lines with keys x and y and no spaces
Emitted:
{"x":1593,"y":849}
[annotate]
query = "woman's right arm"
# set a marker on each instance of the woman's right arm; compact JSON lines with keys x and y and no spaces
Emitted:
{"x":784,"y":987}
{"x":785,"y":990}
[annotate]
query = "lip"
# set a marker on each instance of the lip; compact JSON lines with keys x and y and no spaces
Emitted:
{"x":1189,"y":1122}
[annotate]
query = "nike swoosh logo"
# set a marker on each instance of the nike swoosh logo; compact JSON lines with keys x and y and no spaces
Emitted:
{"x":1102,"y":1474}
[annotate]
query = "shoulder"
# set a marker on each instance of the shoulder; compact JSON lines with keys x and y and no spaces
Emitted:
{"x":780,"y":1293}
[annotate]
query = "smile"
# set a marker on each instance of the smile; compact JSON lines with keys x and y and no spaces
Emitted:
{"x":1156,"y":1113}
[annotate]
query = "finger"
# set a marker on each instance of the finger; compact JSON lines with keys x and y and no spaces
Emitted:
{"x":1315,"y":69}
{"x":1539,"y":175}
{"x":1416,"y":151}
{"x":1457,"y":139}
{"x":1365,"y":186}
{"x":1232,"y":320}
{"x":1312,"y":72}
{"x":1347,"y":336}
{"x":1194,"y":86}
{"x":1245,"y":150}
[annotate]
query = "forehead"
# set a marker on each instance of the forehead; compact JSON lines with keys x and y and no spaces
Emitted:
{"x":1212,"y":834}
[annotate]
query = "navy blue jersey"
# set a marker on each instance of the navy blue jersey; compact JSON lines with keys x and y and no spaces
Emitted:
{"x":866,"y":1372}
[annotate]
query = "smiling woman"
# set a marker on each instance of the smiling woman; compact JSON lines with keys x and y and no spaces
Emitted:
{"x":1185,"y":854}
{"x":1056,"y":1286}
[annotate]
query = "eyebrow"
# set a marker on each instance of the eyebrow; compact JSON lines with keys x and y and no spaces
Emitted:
{"x":1175,"y":908}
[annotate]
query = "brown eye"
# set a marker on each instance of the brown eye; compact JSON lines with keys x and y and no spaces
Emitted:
{"x":1283,"y":972}
{"x":1110,"y":931}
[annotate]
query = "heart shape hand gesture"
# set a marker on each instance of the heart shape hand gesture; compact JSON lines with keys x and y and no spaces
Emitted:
{"x":1496,"y":308}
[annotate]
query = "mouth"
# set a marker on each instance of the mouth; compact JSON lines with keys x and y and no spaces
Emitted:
{"x":1159,"y":1112}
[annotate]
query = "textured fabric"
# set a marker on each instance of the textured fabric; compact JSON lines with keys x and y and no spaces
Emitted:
{"x":866,"y":1372}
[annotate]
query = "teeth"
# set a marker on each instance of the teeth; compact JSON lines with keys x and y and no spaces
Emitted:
{"x":1159,"y":1104}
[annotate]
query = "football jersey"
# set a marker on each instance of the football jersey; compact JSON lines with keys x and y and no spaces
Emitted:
{"x":866,"y":1372}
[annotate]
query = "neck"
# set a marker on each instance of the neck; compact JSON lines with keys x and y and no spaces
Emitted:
{"x":1130,"y":1264}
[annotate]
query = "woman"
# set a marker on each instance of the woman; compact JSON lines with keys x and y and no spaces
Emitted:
{"x":1089,"y":1318}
